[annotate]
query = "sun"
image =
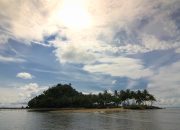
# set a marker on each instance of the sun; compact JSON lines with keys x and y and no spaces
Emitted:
{"x":74,"y":15}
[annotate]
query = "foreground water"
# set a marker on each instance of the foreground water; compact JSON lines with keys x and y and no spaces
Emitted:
{"x":166,"y":119}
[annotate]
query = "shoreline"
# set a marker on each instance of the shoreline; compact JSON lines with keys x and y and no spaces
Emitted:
{"x":78,"y":110}
{"x":85,"y":110}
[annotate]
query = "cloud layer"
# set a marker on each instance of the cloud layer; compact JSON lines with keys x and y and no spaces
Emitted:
{"x":123,"y":38}
{"x":121,"y":67}
{"x":165,"y":85}
{"x":6,"y":59}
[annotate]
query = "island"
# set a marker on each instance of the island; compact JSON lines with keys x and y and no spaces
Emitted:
{"x":64,"y":96}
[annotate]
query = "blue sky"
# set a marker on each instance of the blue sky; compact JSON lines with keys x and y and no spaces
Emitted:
{"x":93,"y":44}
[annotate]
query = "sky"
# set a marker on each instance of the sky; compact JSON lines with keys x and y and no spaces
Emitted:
{"x":92,"y":44}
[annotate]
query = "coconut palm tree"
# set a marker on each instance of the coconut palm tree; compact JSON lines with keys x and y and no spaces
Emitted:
{"x":138,"y":97}
{"x":116,"y":98}
{"x":145,"y":96}
{"x":122,"y":97}
{"x":128,"y":95}
{"x":152,"y":99}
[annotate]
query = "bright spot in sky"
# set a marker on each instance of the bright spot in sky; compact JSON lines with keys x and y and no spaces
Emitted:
{"x":74,"y":15}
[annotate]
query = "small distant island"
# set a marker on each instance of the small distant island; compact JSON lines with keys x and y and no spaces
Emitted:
{"x":65,"y":96}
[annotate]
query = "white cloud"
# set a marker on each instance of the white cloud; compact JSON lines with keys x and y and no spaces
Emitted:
{"x":148,"y":43}
{"x":46,"y":18}
{"x":151,"y":43}
{"x":162,"y":25}
{"x":125,"y":12}
{"x":24,"y":24}
{"x":24,"y":75}
{"x":32,"y":87}
{"x":72,"y":53}
{"x":11,"y":59}
{"x":121,"y":66}
{"x":130,"y":49}
{"x":18,"y":96}
{"x":30,"y":90}
{"x":165,"y":85}
{"x":87,"y":45}
{"x":98,"y":41}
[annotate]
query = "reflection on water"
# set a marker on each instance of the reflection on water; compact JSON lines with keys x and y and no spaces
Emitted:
{"x":167,"y":119}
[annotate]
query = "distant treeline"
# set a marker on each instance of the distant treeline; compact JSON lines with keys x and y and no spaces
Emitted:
{"x":64,"y":96}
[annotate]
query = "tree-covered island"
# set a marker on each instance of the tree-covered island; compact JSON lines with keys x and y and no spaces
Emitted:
{"x":64,"y":96}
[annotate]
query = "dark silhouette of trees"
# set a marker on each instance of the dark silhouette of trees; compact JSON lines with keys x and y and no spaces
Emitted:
{"x":152,"y":99}
{"x":64,"y":96}
{"x":139,"y":97}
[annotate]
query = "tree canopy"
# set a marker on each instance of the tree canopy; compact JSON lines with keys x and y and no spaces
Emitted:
{"x":65,"y":96}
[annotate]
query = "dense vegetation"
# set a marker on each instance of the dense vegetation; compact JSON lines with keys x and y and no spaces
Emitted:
{"x":64,"y":96}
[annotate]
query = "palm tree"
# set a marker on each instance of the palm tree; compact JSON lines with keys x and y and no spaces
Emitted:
{"x":145,"y":96}
{"x":133,"y":94}
{"x":138,"y":97}
{"x":128,"y":95}
{"x":115,"y":93}
{"x":151,"y":99}
{"x":116,"y":99}
{"x":106,"y":97}
{"x":122,"y":96}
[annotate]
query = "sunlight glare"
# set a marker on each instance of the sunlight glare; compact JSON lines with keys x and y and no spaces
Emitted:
{"x":74,"y":15}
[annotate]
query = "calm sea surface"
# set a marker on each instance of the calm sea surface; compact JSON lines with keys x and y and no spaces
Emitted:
{"x":166,"y":119}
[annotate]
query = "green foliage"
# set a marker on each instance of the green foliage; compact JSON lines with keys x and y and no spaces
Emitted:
{"x":64,"y":96}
